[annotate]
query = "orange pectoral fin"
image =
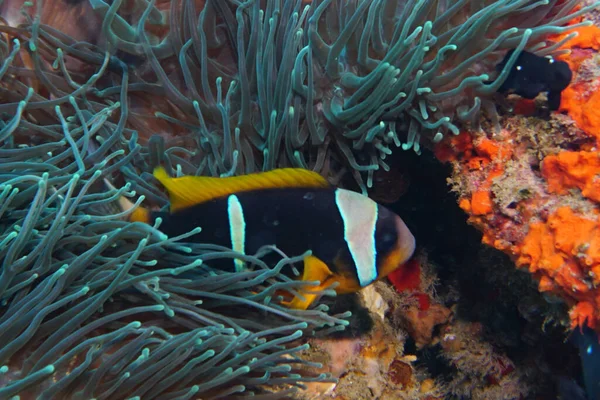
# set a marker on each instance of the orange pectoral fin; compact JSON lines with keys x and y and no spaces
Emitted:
{"x":314,"y":270}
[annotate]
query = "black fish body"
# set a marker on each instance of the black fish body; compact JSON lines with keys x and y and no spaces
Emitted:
{"x":294,"y":220}
{"x":532,"y":75}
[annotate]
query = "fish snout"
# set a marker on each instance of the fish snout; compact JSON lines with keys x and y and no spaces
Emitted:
{"x":402,"y":249}
{"x":406,"y":241}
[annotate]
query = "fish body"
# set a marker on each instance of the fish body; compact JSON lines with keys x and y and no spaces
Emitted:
{"x":532,"y":75}
{"x":589,"y":350}
{"x":353,"y":240}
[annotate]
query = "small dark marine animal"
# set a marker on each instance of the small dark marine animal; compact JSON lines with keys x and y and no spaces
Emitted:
{"x":532,"y":75}
{"x":589,"y":351}
{"x":586,"y":341}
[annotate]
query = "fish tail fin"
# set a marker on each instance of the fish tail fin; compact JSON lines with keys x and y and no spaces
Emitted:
{"x":121,"y":206}
{"x":124,"y":205}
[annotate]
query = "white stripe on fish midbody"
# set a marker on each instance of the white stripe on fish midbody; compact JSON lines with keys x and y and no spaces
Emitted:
{"x":237,"y":228}
{"x":359,"y":214}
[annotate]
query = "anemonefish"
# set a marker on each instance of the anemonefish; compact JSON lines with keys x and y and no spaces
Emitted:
{"x":353,"y":240}
{"x":533,"y":74}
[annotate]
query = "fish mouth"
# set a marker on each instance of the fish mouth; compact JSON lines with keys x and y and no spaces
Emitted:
{"x":406,"y":241}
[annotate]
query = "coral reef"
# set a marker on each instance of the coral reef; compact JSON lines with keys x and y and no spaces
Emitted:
{"x":373,"y":365}
{"x":481,"y":350}
{"x":532,"y":187}
{"x":479,"y":361}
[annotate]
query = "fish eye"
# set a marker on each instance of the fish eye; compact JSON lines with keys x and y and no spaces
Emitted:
{"x":387,"y":241}
{"x":388,"y":238}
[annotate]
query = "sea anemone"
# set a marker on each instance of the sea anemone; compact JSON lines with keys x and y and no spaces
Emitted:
{"x":332,"y":86}
{"x":94,"y":306}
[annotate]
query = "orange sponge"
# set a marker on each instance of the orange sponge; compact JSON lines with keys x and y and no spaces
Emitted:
{"x":573,"y":169}
{"x":583,"y":107}
{"x":564,"y":253}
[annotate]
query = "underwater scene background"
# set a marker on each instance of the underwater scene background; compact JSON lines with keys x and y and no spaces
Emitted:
{"x":267,"y":199}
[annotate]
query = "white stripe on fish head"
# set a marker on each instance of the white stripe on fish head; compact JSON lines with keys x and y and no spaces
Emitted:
{"x":237,"y":228}
{"x":359,"y":215}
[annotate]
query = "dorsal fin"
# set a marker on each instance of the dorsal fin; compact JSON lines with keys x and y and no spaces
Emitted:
{"x":187,"y":191}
